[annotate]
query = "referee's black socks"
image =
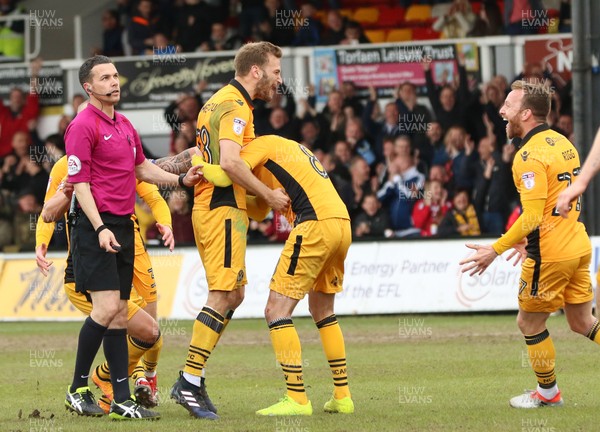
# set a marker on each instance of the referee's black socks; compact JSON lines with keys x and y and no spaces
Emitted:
{"x":90,"y":338}
{"x":115,"y":351}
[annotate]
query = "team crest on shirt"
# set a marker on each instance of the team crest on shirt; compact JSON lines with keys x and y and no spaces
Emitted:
{"x":528,"y":180}
{"x":238,"y":125}
{"x":74,"y":165}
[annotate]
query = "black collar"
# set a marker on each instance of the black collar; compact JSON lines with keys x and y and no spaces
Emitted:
{"x":539,"y":128}
{"x":243,"y":91}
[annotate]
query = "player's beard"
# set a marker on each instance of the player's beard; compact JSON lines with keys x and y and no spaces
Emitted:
{"x":514,"y":129}
{"x":264,"y":89}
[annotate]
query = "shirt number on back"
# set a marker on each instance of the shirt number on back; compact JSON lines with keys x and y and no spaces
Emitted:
{"x":314,"y":162}
{"x":566,"y":177}
{"x":204,"y":144}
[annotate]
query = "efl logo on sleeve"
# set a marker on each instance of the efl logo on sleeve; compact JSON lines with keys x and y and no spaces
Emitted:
{"x":74,"y":165}
{"x":528,"y":180}
{"x":238,"y":126}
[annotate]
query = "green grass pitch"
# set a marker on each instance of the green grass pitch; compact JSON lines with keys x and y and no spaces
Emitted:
{"x":407,"y":373}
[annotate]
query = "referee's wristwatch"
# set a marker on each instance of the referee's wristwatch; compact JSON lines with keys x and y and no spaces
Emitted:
{"x":180,"y":180}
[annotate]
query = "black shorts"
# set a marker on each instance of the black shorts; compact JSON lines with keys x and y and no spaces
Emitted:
{"x":98,"y":270}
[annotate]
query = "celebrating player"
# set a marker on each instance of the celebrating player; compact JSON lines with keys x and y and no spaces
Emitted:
{"x":225,"y":126}
{"x":312,"y":262}
{"x":555,"y":273}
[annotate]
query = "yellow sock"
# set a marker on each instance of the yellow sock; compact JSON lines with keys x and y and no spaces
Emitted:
{"x":332,"y":340}
{"x":150,"y":359}
{"x":208,"y":326}
{"x":137,"y":372}
{"x":225,"y":322}
{"x":594,"y":334}
{"x":288,"y":353}
{"x":136,"y":348}
{"x":542,"y":358}
{"x":103,"y":372}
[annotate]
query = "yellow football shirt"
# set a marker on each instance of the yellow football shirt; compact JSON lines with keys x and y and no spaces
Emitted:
{"x":226,"y":115}
{"x":282,"y":163}
{"x":543,"y":167}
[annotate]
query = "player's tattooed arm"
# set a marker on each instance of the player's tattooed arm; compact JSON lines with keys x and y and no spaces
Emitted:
{"x":177,"y":164}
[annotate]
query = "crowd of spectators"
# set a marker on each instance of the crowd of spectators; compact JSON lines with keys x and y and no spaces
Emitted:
{"x":409,"y":168}
{"x":139,"y":27}
{"x":406,"y":168}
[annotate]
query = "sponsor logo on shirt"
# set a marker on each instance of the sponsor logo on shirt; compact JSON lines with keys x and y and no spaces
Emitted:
{"x":74,"y":165}
{"x":238,"y":126}
{"x":528,"y":180}
{"x":107,"y":137}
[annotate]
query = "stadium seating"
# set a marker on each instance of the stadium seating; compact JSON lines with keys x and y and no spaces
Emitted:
{"x":400,"y":35}
{"x":376,"y":36}
{"x":424,"y":33}
{"x":346,"y":13}
{"x":366,"y":15}
{"x":418,"y":13}
{"x":390,"y":16}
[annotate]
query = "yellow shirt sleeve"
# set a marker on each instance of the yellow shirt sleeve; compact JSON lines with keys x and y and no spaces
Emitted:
{"x":530,"y":219}
{"x":234,"y":121}
{"x":43,"y":230}
{"x":255,"y":153}
{"x":530,"y":178}
{"x":160,"y":210}
{"x":212,"y":173}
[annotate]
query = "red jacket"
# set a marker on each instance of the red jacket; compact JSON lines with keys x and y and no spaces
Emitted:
{"x":425,"y":216}
{"x":10,"y":125}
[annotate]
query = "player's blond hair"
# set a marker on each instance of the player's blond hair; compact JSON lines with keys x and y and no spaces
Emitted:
{"x":536,"y":96}
{"x":254,"y":54}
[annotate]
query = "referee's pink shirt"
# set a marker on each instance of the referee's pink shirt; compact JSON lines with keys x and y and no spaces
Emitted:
{"x":104,"y":152}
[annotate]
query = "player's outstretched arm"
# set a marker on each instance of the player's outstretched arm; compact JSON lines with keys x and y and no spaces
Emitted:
{"x":589,"y":170}
{"x":149,"y":172}
{"x":177,"y":164}
{"x":529,"y":220}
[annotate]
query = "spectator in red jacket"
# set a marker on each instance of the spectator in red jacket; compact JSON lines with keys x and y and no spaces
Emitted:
{"x":428,"y":213}
{"x":22,"y":111}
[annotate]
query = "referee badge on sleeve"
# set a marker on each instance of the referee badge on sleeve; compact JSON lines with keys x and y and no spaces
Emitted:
{"x":528,"y":180}
{"x":74,"y":165}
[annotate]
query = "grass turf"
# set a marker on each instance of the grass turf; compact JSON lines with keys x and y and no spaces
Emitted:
{"x":407,"y":373}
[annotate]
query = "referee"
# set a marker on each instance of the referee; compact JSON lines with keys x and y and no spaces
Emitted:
{"x":104,"y":158}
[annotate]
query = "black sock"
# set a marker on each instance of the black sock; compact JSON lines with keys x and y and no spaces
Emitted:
{"x":116,"y":353}
{"x":90,"y":338}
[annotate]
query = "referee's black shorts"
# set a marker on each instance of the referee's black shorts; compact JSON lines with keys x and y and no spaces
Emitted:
{"x":98,"y":270}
